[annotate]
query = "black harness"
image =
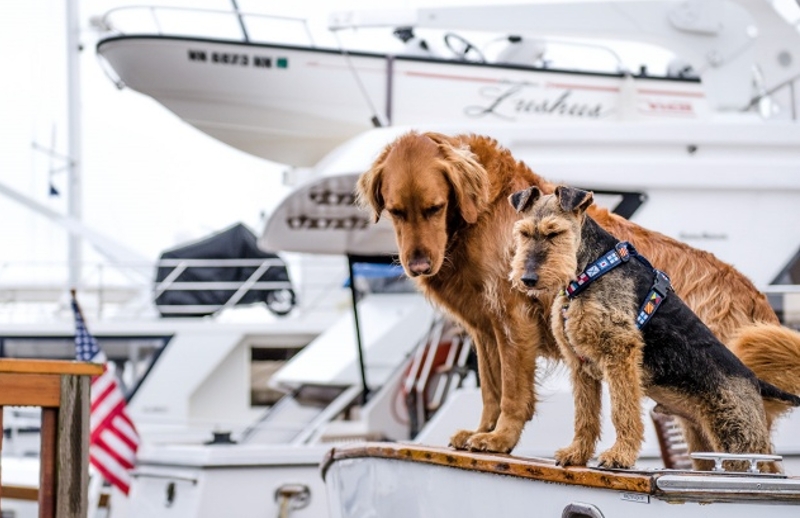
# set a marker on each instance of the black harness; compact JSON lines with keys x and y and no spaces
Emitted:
{"x":621,"y":254}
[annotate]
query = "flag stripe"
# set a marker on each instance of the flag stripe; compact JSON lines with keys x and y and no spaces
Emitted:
{"x":102,"y":384}
{"x":113,"y":439}
{"x":121,"y":452}
{"x":103,"y":408}
{"x":125,"y":430}
{"x":110,"y":468}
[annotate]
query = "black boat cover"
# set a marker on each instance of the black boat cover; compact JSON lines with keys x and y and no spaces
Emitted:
{"x":236,"y":242}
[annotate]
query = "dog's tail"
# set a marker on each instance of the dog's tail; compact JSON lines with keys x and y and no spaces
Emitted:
{"x":772,"y":352}
{"x":770,"y":391}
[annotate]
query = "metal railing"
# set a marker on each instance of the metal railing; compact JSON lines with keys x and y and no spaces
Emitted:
{"x":111,"y":21}
{"x":238,"y":288}
{"x":30,"y":291}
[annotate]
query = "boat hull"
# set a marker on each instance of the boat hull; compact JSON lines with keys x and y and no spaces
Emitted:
{"x":407,"y":480}
{"x":293,"y":104}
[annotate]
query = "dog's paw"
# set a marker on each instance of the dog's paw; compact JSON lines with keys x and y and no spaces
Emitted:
{"x":492,"y":442}
{"x":460,"y":439}
{"x":572,"y":455}
{"x":616,"y":458}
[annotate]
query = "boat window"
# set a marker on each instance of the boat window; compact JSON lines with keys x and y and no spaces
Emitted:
{"x":264,"y":362}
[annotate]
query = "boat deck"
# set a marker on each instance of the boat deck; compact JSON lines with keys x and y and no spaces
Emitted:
{"x":683,"y":485}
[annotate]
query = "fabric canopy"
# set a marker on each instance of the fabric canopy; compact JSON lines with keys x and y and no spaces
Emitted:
{"x":234,"y":243}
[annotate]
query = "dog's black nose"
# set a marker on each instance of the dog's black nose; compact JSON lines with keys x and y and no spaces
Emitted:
{"x":530,"y":280}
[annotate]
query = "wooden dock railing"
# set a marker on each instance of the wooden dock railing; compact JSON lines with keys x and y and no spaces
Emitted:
{"x":61,"y":389}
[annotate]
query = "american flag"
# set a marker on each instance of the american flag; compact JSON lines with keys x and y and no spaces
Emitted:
{"x":113,"y":439}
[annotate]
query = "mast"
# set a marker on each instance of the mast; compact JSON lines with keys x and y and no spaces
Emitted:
{"x":74,"y":163}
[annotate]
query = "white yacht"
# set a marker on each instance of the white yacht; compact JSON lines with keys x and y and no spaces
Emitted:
{"x":690,"y":147}
{"x":706,"y":150}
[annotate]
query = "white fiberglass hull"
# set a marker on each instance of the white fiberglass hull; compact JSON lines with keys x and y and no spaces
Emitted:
{"x":295,"y":104}
{"x":403,"y":481}
{"x":240,"y":481}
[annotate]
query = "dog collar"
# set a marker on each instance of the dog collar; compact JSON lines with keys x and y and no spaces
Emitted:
{"x":621,"y":253}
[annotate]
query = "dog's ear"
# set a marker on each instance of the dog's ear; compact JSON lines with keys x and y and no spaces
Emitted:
{"x":467,"y":177}
{"x":368,"y":187}
{"x":523,"y":200}
{"x":572,"y":199}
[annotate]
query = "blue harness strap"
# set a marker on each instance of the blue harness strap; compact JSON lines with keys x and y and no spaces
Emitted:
{"x":613,"y":258}
{"x":621,"y":254}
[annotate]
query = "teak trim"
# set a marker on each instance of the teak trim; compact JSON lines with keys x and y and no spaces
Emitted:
{"x":59,"y":367}
{"x":531,"y":468}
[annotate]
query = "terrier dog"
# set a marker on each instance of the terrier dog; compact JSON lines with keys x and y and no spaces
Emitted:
{"x":616,"y":319}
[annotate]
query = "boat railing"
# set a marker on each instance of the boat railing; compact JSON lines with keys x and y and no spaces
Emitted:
{"x":237,"y":288}
{"x":157,"y":19}
{"x":437,"y":367}
{"x":129,"y":290}
{"x":244,"y":26}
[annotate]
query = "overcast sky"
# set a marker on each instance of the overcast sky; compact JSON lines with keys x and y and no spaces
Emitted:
{"x":149,"y":180}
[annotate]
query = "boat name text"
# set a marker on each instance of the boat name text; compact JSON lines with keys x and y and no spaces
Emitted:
{"x":508,"y":102}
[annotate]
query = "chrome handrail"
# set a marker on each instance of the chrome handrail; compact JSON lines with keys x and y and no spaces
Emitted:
{"x":132,"y":293}
{"x":240,"y":16}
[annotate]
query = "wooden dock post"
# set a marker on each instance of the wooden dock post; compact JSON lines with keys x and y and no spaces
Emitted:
{"x":61,"y":389}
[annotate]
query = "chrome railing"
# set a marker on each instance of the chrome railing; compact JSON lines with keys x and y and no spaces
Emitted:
{"x":238,"y":288}
{"x":30,"y":291}
{"x":155,"y":19}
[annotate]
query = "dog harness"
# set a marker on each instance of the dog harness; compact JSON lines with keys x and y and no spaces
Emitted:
{"x":620,"y":254}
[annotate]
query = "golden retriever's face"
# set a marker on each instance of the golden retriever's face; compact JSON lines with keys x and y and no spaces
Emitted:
{"x":423,"y":182}
{"x":416,"y":194}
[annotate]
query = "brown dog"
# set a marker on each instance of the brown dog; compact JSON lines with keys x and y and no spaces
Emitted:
{"x":447,"y":198}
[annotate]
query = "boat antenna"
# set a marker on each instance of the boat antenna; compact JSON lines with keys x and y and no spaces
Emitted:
{"x":376,"y":121}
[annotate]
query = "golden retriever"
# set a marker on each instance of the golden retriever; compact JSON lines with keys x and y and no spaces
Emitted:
{"x":447,"y":200}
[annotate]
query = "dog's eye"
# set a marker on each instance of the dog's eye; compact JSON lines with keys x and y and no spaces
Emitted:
{"x":398,"y":214}
{"x":525,"y":234}
{"x":552,"y":235}
{"x":431,"y":211}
